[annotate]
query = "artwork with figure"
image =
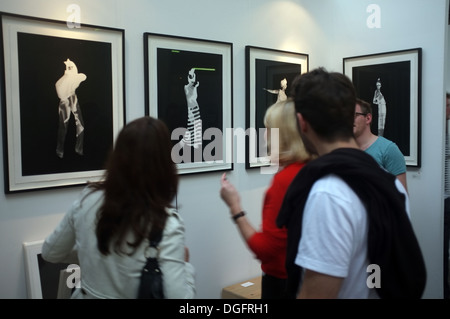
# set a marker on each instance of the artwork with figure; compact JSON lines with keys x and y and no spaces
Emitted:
{"x":275,"y":75}
{"x":190,"y":96}
{"x":193,"y":135}
{"x":281,"y":92}
{"x":69,"y":104}
{"x":379,"y":100}
{"x":52,"y":94}
{"x":388,"y":87}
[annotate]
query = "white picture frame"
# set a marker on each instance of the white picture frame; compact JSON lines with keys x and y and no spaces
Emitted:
{"x":265,"y":67}
{"x":33,"y":279}
{"x":34,"y":53}
{"x":37,"y":285}
{"x":168,"y":62}
{"x":400,"y":73}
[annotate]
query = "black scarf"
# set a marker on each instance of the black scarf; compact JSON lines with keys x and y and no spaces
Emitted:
{"x":392,"y":243}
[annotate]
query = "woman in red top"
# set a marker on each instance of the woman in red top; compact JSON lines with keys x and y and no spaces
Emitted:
{"x":269,"y":243}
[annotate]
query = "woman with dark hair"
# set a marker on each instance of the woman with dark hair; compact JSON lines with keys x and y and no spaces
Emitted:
{"x":106,"y":230}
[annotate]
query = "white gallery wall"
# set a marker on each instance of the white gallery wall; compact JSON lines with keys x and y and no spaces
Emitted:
{"x":326,"y":30}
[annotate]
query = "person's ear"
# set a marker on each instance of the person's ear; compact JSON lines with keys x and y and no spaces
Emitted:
{"x":303,"y":125}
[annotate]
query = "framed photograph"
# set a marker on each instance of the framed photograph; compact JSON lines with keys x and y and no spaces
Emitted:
{"x":45,"y":280}
{"x":188,"y":85}
{"x":391,"y":82}
{"x":63,"y":101}
{"x":269,"y":73}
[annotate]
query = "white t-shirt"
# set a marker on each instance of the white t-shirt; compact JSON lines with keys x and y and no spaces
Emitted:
{"x":334,"y":236}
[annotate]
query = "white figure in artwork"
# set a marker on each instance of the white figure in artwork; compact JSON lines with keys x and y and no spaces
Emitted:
{"x":193,"y":135}
{"x":281,"y":92}
{"x":68,"y":104}
{"x":378,"y":99}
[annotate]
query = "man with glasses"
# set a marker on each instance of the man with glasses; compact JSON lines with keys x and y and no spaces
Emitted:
{"x":385,"y":152}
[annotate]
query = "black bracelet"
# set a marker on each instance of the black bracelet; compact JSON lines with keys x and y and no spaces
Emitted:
{"x":238,"y":215}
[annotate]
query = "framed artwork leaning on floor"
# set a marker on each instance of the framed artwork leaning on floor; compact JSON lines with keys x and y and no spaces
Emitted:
{"x":47,"y":280}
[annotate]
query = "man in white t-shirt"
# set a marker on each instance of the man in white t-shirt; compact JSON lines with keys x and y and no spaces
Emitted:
{"x":349,"y":233}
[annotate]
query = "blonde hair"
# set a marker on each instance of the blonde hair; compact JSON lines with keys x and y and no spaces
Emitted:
{"x":282,"y":115}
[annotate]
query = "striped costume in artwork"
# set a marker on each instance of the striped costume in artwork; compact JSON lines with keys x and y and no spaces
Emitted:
{"x":193,"y":134}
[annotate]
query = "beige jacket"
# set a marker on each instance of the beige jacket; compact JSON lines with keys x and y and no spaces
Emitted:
{"x":116,"y":276}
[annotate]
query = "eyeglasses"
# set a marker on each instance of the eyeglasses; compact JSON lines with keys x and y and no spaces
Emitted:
{"x":359,"y":113}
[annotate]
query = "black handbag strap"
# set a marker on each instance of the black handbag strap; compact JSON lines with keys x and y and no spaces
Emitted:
{"x":151,"y":285}
{"x":155,"y":241}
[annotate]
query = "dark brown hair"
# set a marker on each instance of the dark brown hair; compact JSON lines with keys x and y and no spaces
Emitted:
{"x":366,"y":108}
{"x":327,"y":101}
{"x":141,"y":181}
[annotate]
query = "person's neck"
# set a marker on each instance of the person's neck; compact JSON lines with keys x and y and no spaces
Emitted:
{"x":366,"y":139}
{"x":327,"y":147}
